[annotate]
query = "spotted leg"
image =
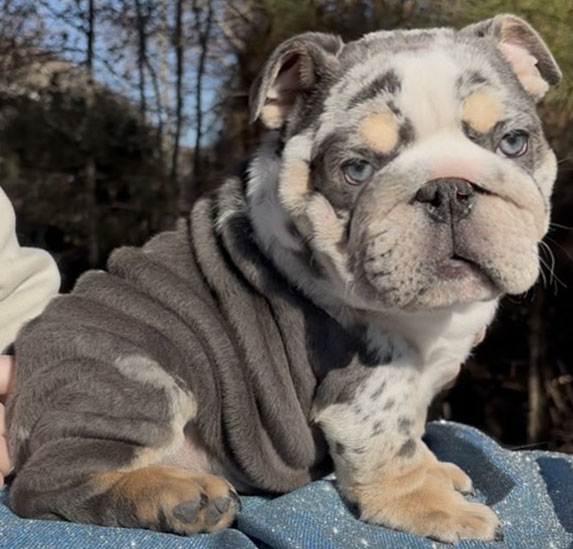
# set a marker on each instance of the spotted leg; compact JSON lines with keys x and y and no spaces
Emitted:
{"x":384,"y":467}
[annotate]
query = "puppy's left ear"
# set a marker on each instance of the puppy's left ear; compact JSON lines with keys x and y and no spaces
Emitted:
{"x":526,"y":52}
{"x":293,"y":70}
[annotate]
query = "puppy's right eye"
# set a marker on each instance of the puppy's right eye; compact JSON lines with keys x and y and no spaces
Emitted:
{"x":357,"y":172}
{"x":513,"y":144}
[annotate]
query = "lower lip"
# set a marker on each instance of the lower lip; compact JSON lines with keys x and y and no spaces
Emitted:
{"x":455,"y":268}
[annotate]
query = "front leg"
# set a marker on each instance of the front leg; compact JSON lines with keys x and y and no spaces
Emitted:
{"x":374,"y":432}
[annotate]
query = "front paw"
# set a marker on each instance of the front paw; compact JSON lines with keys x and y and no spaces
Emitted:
{"x":425,"y":502}
{"x":451,"y":473}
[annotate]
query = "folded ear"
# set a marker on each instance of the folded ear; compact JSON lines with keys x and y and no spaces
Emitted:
{"x":293,"y":69}
{"x":524,"y":49}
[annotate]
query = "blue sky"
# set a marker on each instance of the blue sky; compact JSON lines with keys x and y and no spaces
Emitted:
{"x":104,"y":66}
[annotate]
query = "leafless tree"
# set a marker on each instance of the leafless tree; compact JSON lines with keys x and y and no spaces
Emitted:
{"x":90,"y":168}
{"x":180,"y":74}
{"x":203,"y":26}
{"x":141,"y":24}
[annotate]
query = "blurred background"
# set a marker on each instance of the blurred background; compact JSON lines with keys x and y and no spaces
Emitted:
{"x":115,"y":115}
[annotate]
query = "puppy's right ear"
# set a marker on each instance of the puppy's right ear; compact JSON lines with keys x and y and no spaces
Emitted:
{"x":293,"y":70}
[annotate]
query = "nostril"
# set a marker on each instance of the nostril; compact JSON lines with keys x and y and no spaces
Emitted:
{"x":436,"y":201}
{"x":463,"y":191}
{"x":429,"y":194}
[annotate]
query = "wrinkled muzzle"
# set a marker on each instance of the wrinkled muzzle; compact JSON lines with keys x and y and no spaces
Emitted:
{"x":436,"y":230}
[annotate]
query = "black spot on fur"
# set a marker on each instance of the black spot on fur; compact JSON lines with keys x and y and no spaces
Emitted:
{"x":392,"y":106}
{"x":407,"y":449}
{"x":389,"y":404}
{"x":407,"y":133}
{"x":475,"y":79}
{"x":405,"y":424}
{"x":377,"y":428}
{"x":388,"y":82}
{"x":339,"y":448}
{"x":468,"y":82}
{"x":376,"y":394}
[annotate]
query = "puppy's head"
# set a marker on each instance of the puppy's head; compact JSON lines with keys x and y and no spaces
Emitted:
{"x":414,"y":167}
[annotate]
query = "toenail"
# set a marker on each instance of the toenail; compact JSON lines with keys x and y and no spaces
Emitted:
{"x":236,"y":500}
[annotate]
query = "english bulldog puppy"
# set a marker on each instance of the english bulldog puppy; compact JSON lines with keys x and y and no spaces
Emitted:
{"x":306,"y":313}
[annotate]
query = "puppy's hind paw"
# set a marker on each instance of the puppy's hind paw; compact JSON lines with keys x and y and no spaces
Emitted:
{"x":171,"y":500}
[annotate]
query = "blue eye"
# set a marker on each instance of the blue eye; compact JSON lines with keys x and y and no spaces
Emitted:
{"x":357,"y":171}
{"x":513,"y":144}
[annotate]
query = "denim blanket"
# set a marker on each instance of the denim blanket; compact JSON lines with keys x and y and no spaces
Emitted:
{"x":531,"y":491}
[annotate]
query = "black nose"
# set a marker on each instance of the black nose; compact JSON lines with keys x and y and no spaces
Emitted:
{"x":447,"y":200}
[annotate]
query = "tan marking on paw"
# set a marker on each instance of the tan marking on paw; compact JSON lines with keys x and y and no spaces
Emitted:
{"x":452,"y":473}
{"x":170,"y":499}
{"x":424,"y":501}
{"x":481,"y":110}
{"x":380,"y":131}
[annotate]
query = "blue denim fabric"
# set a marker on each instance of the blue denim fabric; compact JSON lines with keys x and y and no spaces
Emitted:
{"x":532,"y":493}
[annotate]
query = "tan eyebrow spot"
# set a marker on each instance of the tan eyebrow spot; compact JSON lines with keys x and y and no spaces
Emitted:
{"x":380,"y":131}
{"x":481,"y":110}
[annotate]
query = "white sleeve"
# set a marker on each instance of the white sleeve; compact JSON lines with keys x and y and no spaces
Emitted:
{"x":28,"y":278}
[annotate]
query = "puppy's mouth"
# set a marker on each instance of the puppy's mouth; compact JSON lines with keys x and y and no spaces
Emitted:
{"x":457,"y":267}
{"x":455,"y":280}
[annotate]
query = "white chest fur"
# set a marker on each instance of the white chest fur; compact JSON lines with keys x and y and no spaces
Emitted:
{"x":434,"y":343}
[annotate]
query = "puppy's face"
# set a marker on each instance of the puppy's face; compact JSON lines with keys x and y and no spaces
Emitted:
{"x":415,"y":166}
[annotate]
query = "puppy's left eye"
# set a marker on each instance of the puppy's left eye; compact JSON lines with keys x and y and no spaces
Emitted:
{"x":513,"y":144}
{"x":357,"y":172}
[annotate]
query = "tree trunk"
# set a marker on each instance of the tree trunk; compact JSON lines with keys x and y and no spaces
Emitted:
{"x":90,"y":166}
{"x":164,"y":64}
{"x":203,"y":32}
{"x":141,"y":56}
{"x":179,"y":72}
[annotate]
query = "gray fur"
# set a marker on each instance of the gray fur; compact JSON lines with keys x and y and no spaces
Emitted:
{"x":193,"y":313}
{"x":387,"y":84}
